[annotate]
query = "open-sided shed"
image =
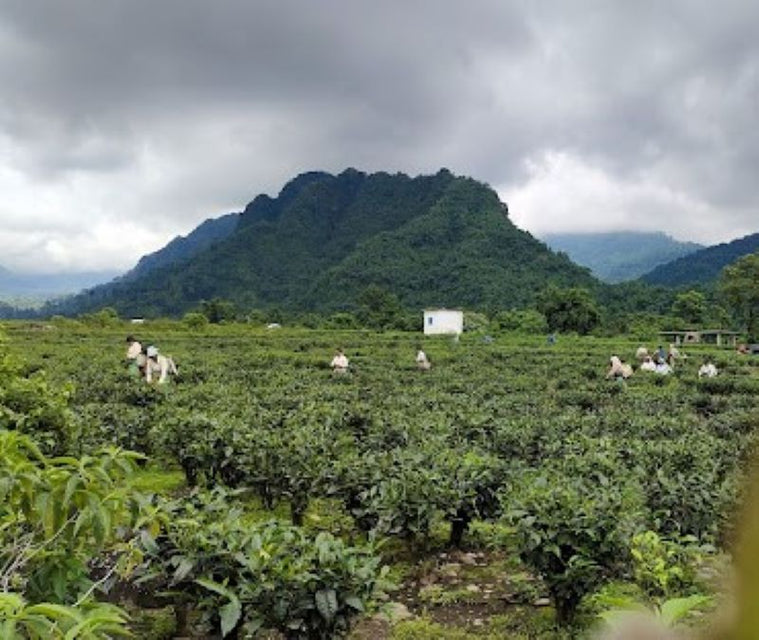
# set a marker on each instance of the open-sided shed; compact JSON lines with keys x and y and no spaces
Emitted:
{"x":720,"y":337}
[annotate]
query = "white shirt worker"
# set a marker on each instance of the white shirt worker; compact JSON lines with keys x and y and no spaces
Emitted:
{"x":707,"y":370}
{"x":339,"y":363}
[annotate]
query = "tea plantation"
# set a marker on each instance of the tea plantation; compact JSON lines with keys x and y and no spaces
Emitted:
{"x":511,"y":491}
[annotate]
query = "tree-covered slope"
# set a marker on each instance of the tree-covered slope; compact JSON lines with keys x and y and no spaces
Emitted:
{"x":702,"y":267}
{"x":184,"y":247}
{"x":437,"y":239}
{"x":463,"y":251}
{"x":620,"y":256}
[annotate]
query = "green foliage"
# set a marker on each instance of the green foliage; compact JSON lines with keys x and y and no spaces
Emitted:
{"x":470,"y":485}
{"x":378,"y":308}
{"x":191,"y":438}
{"x":20,"y":620}
{"x":528,"y":321}
{"x":569,"y":309}
{"x":105,"y":317}
{"x":182,"y":248}
{"x":195,"y":320}
{"x":393,"y":453}
{"x":574,"y":536}
{"x":663,"y":568}
{"x":218,"y":310}
{"x":29,"y":404}
{"x":676,"y":609}
{"x":342,"y":320}
{"x":703,"y":267}
{"x":717,"y":316}
{"x":690,"y":307}
{"x":644,"y":326}
{"x":57,"y":514}
{"x":248,"y":577}
{"x":668,"y":615}
{"x":153,"y":624}
{"x":684,"y":489}
{"x":293,"y":461}
{"x":405,"y":496}
{"x":475,"y":322}
{"x":425,"y":629}
{"x":739,"y":286}
{"x":630,"y":299}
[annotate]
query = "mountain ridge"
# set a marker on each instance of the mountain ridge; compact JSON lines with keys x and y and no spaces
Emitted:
{"x":622,"y":255}
{"x":702,"y":267}
{"x":183,"y":247}
{"x":438,"y":238}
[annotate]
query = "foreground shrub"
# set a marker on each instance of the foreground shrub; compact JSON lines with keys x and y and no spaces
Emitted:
{"x":575,"y":536}
{"x":245,"y":577}
{"x":20,"y":620}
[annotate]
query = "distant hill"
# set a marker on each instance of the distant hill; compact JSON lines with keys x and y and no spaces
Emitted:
{"x":704,"y":266}
{"x":620,"y":256}
{"x":184,"y":247}
{"x":431,"y":240}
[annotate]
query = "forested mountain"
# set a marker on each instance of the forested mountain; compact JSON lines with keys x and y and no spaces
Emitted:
{"x":704,"y":266}
{"x":620,"y":256}
{"x":431,"y":240}
{"x":184,"y":247}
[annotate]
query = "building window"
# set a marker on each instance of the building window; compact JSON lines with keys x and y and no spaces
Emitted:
{"x":429,"y":321}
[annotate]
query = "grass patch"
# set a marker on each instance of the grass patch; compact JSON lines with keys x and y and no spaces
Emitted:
{"x":425,"y":629}
{"x":156,"y":480}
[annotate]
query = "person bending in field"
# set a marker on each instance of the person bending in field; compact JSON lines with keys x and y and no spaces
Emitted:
{"x":339,"y":363}
{"x":422,"y":361}
{"x":663,"y":368}
{"x":648,"y":364}
{"x":135,"y":357}
{"x":618,"y":369}
{"x":707,"y":370}
{"x":675,"y":354}
{"x":158,"y":365}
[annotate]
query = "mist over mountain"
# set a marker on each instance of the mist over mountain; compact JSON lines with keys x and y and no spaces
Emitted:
{"x":431,"y":240}
{"x":702,"y":267}
{"x":26,"y":289}
{"x":620,"y":256}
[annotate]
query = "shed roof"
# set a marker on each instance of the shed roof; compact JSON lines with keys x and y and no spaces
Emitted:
{"x":708,"y":332}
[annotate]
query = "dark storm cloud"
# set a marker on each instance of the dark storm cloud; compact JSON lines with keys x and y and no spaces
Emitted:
{"x":108,"y":60}
{"x":165,"y":112}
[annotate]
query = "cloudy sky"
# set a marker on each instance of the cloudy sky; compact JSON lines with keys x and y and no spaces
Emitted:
{"x":126,"y":122}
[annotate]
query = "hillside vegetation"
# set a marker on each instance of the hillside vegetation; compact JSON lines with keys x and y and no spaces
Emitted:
{"x":702,"y":267}
{"x":183,"y":248}
{"x":430,"y":240}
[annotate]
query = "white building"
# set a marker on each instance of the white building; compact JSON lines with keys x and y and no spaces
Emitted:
{"x":438,"y":321}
